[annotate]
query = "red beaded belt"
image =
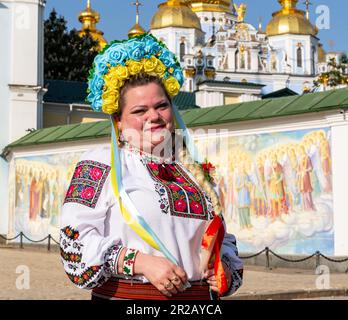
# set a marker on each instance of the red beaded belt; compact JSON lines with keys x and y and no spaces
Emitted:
{"x":136,"y":290}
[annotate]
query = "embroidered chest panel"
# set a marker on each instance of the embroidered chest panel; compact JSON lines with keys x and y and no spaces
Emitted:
{"x":179,"y":194}
{"x":87,"y":183}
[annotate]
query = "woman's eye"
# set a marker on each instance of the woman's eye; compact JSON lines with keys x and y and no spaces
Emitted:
{"x":139,"y":111}
{"x":162,"y":106}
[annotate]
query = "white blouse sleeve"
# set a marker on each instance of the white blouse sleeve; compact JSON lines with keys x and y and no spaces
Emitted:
{"x":88,"y":253}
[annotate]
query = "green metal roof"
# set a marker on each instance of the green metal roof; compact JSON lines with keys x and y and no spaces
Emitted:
{"x":255,"y":110}
{"x":268,"y":108}
{"x":66,"y":92}
{"x":185,"y":100}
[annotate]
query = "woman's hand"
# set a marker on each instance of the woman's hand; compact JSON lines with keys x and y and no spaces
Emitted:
{"x":167,"y":277}
{"x":211,"y":279}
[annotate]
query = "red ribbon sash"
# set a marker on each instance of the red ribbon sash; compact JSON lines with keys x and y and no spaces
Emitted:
{"x":212,"y":242}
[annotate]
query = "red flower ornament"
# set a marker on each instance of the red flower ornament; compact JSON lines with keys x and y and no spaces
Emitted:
{"x":153,"y":166}
{"x":95,"y":173}
{"x":173,"y":187}
{"x":70,"y":191}
{"x":180,"y":205}
{"x":78,"y":171}
{"x":190,"y":189}
{"x":87,"y":193}
{"x":196,"y":207}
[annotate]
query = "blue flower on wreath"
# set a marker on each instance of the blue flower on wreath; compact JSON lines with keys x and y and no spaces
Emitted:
{"x":116,"y":54}
{"x":136,"y":50}
{"x":96,"y":101}
{"x":101,"y":64}
{"x":168,"y":59}
{"x":152,"y":47}
{"x":96,"y":83}
{"x":179,"y":76}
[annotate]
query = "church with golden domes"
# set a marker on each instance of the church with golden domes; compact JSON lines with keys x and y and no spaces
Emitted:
{"x":225,"y":58}
{"x":220,"y":51}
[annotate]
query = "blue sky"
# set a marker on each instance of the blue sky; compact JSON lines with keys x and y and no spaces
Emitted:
{"x":118,"y":16}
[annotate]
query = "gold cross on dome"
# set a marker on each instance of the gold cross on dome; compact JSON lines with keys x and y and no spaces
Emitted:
{"x":307,"y":3}
{"x":137,"y":4}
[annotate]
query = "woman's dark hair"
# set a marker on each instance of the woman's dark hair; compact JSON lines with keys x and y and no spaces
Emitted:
{"x":137,"y":80}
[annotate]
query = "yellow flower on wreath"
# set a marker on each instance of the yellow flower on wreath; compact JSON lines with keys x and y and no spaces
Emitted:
{"x":110,"y":101}
{"x":160,"y":68}
{"x":150,"y":64}
{"x":120,"y":72}
{"x":172,"y":86}
{"x":135,"y":67}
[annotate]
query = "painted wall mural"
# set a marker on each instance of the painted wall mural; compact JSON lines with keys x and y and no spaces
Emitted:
{"x":276,"y":189}
{"x":40,"y":187}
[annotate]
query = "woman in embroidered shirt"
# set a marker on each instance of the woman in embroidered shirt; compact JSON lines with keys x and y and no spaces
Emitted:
{"x":135,"y":227}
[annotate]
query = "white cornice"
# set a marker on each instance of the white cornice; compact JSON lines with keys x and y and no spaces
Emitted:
{"x":26,"y":88}
{"x":39,"y":2}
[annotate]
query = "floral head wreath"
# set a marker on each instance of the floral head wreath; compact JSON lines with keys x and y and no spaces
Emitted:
{"x":121,"y":60}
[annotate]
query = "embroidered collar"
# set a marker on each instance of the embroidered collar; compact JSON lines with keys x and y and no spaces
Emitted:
{"x":148,"y":157}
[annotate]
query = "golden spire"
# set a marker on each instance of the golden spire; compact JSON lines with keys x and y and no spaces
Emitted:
{"x":307,"y":3}
{"x":136,"y":30}
{"x":89,"y":19}
{"x":288,"y":4}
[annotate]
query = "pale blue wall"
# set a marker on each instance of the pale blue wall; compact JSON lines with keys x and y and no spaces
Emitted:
{"x":5,"y":63}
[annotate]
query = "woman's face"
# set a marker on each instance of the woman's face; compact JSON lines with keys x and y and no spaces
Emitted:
{"x":147,"y":117}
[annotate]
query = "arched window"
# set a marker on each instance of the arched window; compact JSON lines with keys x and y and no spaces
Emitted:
{"x":249,"y":59}
{"x":299,"y":57}
{"x":242,"y":60}
{"x":182,"y":51}
{"x":236,"y":60}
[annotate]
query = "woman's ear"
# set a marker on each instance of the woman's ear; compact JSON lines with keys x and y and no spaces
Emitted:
{"x":117,"y":118}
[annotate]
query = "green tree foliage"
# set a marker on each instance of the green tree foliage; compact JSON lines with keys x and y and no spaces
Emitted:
{"x":67,"y":56}
{"x":336,"y":74}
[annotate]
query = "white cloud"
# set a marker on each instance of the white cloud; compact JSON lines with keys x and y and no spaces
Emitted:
{"x":295,"y":225}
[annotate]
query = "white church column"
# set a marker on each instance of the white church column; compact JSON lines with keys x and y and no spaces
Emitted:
{"x":231,"y":59}
{"x":26,"y":73}
{"x":21,"y":82}
{"x":254,"y":60}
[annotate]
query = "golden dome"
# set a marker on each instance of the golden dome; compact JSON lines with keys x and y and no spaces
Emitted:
{"x":210,"y":5}
{"x":175,"y":13}
{"x":89,"y":18}
{"x":290,"y":20}
{"x":136,"y":30}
